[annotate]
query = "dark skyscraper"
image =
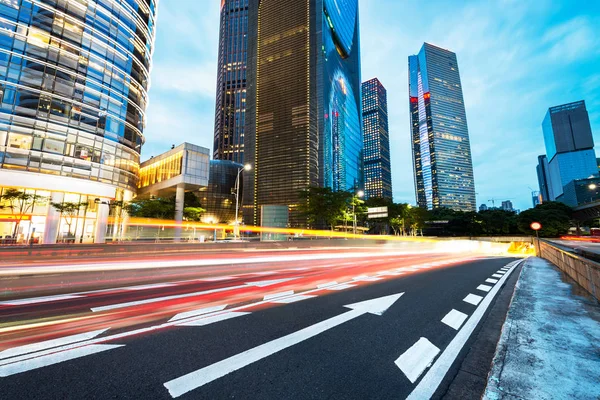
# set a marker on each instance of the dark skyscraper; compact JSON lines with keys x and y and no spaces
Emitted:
{"x":303,"y":125}
{"x":569,"y":147}
{"x":231,"y":82}
{"x":378,"y":175}
{"x":542,"y":174}
{"x":440,"y":137}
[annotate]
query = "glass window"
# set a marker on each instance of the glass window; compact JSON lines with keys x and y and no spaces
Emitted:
{"x":18,"y":141}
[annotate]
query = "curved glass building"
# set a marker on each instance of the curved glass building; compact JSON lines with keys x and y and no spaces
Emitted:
{"x":303,"y":120}
{"x":73,"y":87}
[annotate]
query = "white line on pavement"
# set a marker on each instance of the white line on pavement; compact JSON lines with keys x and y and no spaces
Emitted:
{"x":197,"y":312}
{"x":276,"y":295}
{"x":213,"y":319}
{"x":416,"y":359}
{"x":48,"y":344}
{"x":55,"y":358}
{"x":342,"y":286}
{"x":454,"y":319}
{"x":497,"y":275}
{"x":431,"y":381}
{"x":484,"y":288}
{"x":200,"y":377}
{"x":490,"y":280}
{"x":473,"y":299}
{"x":292,"y":299}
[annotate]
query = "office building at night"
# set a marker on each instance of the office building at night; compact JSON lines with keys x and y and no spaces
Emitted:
{"x":303,"y":116}
{"x":542,"y":170}
{"x":73,"y":87}
{"x":231,"y":82}
{"x":569,"y":147}
{"x":378,"y":175}
{"x":441,"y":148}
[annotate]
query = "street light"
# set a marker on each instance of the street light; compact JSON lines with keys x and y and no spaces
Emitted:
{"x":592,"y":186}
{"x":360,"y":195}
{"x":236,"y":230}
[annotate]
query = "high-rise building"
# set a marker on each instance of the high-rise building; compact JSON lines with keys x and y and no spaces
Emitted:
{"x":231,"y":82}
{"x":440,"y":138}
{"x":483,"y":207}
{"x":303,"y":117}
{"x":569,"y":146}
{"x":73,"y":87}
{"x":542,"y":170}
{"x":378,"y":174}
{"x":507,"y":205}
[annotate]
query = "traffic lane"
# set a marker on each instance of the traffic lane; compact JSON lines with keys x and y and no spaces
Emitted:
{"x":575,"y":244}
{"x":357,"y":359}
{"x":65,"y":279}
{"x":353,"y":360}
{"x":77,"y":318}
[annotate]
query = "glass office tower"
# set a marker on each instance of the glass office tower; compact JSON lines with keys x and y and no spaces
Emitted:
{"x":303,"y":125}
{"x":378,"y":175}
{"x":440,"y":138}
{"x":569,"y":146}
{"x":231,"y":82}
{"x":73,"y":87}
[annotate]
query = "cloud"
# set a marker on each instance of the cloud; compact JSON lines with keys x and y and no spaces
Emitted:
{"x":572,"y":40}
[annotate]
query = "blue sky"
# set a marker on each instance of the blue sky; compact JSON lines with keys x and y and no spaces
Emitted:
{"x":516,"y":59}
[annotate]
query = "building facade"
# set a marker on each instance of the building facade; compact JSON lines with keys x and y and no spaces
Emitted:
{"x":441,"y":147}
{"x":542,"y":170}
{"x":73,"y":87}
{"x":218,"y":198}
{"x":377,"y":166}
{"x":569,"y":146}
{"x":507,"y":205}
{"x":303,"y":117}
{"x":230,"y":111}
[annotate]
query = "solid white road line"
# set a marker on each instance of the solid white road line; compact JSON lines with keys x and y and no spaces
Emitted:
{"x":454,"y":319}
{"x":292,"y":299}
{"x":182,"y":296}
{"x":197,"y":312}
{"x":144,"y":287}
{"x":364,"y":278}
{"x":48,"y":344}
{"x":416,"y":359}
{"x":55,"y":358}
{"x":213,"y":319}
{"x":497,"y":275}
{"x":36,"y":300}
{"x":484,"y":288}
{"x":490,"y":280}
{"x":473,"y":299}
{"x":327,"y":285}
{"x":342,"y":286}
{"x":194,"y":380}
{"x":431,"y":381}
{"x":276,"y":295}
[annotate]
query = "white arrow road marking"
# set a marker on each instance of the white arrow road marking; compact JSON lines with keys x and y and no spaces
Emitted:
{"x":48,"y":344}
{"x":182,"y":296}
{"x":38,"y":355}
{"x":416,"y":359}
{"x":484,"y":288}
{"x":44,"y":361}
{"x":454,"y":319}
{"x":213,"y":319}
{"x":35,"y":300}
{"x":473,"y":299}
{"x":490,"y":280}
{"x":194,"y":380}
{"x":431,"y":381}
{"x":195,"y":313}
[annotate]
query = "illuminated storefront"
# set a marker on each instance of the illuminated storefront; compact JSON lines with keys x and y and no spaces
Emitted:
{"x":73,"y":90}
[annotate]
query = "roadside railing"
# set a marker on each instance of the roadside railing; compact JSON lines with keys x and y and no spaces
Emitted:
{"x":582,"y":270}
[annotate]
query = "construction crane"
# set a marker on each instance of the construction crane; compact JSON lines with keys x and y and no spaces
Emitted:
{"x":493,"y":200}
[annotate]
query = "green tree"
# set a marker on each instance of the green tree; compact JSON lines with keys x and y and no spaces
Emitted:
{"x":498,"y":222}
{"x":68,"y":210}
{"x":20,"y":203}
{"x":193,"y":213}
{"x":555,"y":218}
{"x":323,"y":206}
{"x":161,"y":208}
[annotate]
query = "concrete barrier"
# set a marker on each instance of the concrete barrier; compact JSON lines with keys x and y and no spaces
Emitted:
{"x":583,"y":271}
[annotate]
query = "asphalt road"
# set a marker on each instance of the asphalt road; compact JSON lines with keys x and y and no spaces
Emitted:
{"x":350,"y":326}
{"x":579,"y":245}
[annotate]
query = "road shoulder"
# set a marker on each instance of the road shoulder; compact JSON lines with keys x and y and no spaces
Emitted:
{"x":549,"y":343}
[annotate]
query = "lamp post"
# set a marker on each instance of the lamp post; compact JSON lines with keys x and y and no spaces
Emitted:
{"x":360,"y":195}
{"x":236,"y":227}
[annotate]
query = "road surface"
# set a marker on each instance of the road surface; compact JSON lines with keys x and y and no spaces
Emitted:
{"x":264,"y":325}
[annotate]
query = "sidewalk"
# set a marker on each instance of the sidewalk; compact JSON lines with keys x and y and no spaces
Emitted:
{"x":550,"y":343}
